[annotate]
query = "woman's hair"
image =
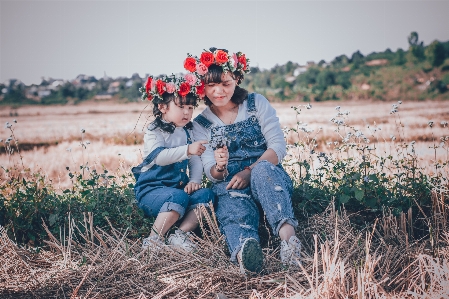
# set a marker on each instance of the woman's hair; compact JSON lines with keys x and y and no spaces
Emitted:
{"x":214,"y":76}
{"x":189,"y":99}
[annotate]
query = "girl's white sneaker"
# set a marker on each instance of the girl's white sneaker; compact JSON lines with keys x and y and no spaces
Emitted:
{"x":154,"y":242}
{"x":182,"y":240}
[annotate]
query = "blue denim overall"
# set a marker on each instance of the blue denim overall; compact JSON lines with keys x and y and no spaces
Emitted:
{"x":270,"y":185}
{"x":161,"y":188}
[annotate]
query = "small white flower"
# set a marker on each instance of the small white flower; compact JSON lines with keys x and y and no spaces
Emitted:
{"x":393,"y":137}
{"x":308,"y":106}
{"x":394,"y":106}
{"x":413,"y":142}
{"x":83,"y":131}
{"x":430,"y":123}
{"x":15,"y":121}
{"x":399,"y":102}
{"x":337,"y":108}
{"x":8,"y":125}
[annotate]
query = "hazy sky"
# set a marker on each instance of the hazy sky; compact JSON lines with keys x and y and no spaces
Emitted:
{"x":62,"y":39}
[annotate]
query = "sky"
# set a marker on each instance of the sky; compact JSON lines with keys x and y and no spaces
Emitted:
{"x":64,"y":38}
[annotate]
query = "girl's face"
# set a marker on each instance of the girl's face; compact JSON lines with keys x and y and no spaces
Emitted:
{"x":180,"y":115}
{"x":220,"y":93}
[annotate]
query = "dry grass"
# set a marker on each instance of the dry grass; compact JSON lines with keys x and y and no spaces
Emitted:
{"x":339,"y":262}
{"x":45,"y":133}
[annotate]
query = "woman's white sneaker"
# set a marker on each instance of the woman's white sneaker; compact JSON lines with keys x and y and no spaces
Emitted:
{"x":291,"y":251}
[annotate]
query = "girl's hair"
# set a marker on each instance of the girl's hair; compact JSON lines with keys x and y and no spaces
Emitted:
{"x":189,"y":99}
{"x":214,"y":76}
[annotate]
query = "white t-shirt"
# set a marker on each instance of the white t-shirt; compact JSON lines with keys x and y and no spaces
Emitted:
{"x":268,"y":121}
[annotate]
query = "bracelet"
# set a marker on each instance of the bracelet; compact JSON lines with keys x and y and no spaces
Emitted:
{"x":247,"y":167}
{"x":219,"y":169}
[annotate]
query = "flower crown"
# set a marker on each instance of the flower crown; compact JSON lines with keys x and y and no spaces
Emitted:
{"x":155,"y":88}
{"x":199,"y":66}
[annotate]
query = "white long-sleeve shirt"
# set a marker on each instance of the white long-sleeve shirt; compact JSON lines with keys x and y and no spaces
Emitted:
{"x":176,"y":150}
{"x":268,"y":121}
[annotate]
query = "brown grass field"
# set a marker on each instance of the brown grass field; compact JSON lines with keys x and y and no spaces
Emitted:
{"x":50,"y":137}
{"x":380,"y":260}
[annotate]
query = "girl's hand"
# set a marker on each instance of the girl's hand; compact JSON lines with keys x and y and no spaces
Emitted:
{"x":197,"y":148}
{"x":240,"y":180}
{"x":191,"y":187}
{"x":221,"y":156}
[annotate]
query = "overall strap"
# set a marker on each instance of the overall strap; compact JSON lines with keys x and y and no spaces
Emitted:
{"x":203,"y":121}
{"x":189,"y":139}
{"x":153,"y":155}
{"x":251,"y":103}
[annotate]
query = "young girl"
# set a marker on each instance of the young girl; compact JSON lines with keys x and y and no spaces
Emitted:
{"x":244,"y":159}
{"x":163,"y":188}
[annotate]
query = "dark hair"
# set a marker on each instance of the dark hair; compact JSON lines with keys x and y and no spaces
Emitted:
{"x":214,"y":76}
{"x":189,"y":99}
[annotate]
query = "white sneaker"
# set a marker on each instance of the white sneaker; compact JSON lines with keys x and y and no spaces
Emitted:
{"x":250,"y":256}
{"x":182,"y":240}
{"x":154,"y":242}
{"x":291,"y":251}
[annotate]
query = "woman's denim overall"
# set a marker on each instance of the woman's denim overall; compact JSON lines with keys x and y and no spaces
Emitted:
{"x":161,"y":188}
{"x":270,"y":186}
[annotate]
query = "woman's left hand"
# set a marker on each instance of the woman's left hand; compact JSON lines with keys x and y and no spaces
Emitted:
{"x":240,"y":180}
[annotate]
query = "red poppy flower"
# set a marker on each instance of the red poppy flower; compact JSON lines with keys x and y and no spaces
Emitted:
{"x":184,"y":89}
{"x":160,"y":85}
{"x":221,"y":56}
{"x":242,"y":60}
{"x":190,"y":64}
{"x":200,"y":90}
{"x":148,"y":85}
{"x":207,"y":58}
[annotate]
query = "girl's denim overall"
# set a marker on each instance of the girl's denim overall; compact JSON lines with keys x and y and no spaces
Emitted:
{"x":270,"y":185}
{"x":161,"y":188}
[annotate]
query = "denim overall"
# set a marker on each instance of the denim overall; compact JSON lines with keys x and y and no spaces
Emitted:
{"x":270,"y":186}
{"x":161,"y":188}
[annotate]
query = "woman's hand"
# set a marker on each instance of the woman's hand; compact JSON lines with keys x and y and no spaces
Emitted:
{"x":197,"y":148}
{"x":221,"y":157}
{"x":240,"y":180}
{"x":191,"y":187}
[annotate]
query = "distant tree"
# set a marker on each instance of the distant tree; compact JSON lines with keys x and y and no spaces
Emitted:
{"x":357,"y":57}
{"x":308,"y":78}
{"x":343,"y":79}
{"x":254,"y":70}
{"x":399,"y":58}
{"x":324,"y":79}
{"x":289,"y":67}
{"x":416,"y":48}
{"x":340,"y":61}
{"x":321,"y":63}
{"x":435,"y":53}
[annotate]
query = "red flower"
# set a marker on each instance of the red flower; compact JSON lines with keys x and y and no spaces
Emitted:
{"x":150,"y":98}
{"x":221,"y":56}
{"x":148,"y":85}
{"x":207,"y":58}
{"x":160,"y":86}
{"x":200,"y":90}
{"x":184,"y":89}
{"x":190,"y":64}
{"x":242,"y":60}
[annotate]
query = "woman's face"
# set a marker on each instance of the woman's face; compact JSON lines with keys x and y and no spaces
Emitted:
{"x":221,"y":93}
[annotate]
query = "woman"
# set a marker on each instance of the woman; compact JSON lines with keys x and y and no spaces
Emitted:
{"x":243,"y":159}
